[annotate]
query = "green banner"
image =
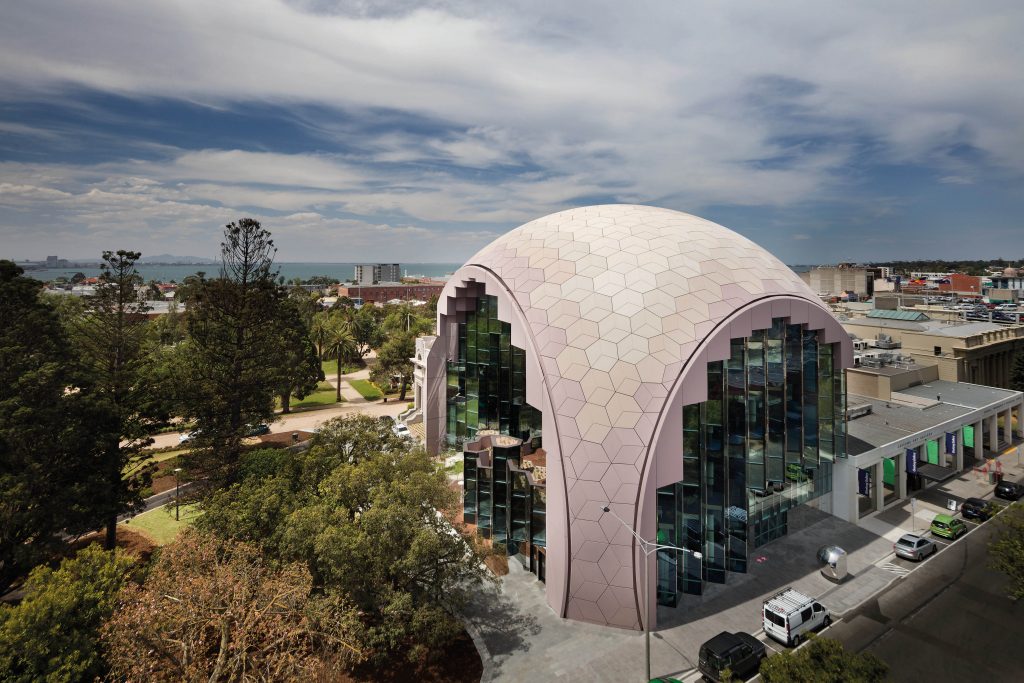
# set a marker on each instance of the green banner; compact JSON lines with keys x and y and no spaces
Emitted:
{"x":969,"y":436}
{"x":933,"y":452}
{"x":889,"y":471}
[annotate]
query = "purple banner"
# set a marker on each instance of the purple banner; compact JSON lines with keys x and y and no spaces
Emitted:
{"x":911,"y":461}
{"x":951,"y":443}
{"x":864,"y":482}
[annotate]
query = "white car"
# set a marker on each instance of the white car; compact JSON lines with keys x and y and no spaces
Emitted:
{"x":402,"y":431}
{"x":186,"y":438}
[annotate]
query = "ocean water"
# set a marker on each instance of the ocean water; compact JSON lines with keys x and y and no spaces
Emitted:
{"x":340,"y":271}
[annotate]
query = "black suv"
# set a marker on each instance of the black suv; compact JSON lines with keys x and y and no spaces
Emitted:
{"x":741,"y":653}
{"x":975,"y":508}
{"x":1008,"y":490}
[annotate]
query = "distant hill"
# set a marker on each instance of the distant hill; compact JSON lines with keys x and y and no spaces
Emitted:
{"x":171,"y":258}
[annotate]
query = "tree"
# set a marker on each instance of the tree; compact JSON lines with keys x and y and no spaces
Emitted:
{"x":823,"y":660}
{"x":215,"y":610}
{"x":1017,"y":373}
{"x":366,"y":328}
{"x":53,"y":634}
{"x":394,"y":359}
{"x":340,"y":344}
{"x":301,"y":373}
{"x":49,"y":454}
{"x":109,"y":338}
{"x":236,"y":355}
{"x":318,"y":329}
{"x":372,"y":521}
{"x":1006,"y":549}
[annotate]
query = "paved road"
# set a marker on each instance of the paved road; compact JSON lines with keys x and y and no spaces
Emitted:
{"x":306,"y":420}
{"x":948,"y":620}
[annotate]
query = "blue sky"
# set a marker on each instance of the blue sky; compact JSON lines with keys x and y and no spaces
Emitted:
{"x":420,"y":131}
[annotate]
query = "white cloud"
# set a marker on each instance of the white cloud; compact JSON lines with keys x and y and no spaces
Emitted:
{"x":688,"y":104}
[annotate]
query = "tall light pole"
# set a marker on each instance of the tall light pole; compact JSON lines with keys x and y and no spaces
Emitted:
{"x":177,"y":492}
{"x":648,"y":547}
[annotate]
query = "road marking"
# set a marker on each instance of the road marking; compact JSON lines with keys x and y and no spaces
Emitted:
{"x":895,"y":569}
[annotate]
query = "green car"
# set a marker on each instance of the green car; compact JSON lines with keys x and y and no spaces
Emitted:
{"x":949,"y":527}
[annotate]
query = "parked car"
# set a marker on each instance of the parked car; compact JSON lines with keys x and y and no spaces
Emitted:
{"x":788,"y":615}
{"x":913,"y":547}
{"x":1009,"y":490}
{"x":975,"y":508}
{"x":948,"y":526}
{"x":741,"y":653}
{"x":188,"y":438}
{"x":402,"y":431}
{"x":257,"y":430}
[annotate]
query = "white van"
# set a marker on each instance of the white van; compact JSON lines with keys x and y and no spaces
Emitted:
{"x":789,"y":615}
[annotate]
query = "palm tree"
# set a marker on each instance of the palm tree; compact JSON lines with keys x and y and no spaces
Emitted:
{"x":318,"y":331}
{"x":339,"y":343}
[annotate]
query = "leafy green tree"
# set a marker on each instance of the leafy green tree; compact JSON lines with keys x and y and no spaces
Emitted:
{"x":823,"y":660}
{"x":49,"y":453}
{"x":1006,"y":549}
{"x":366,"y":328}
{"x":53,"y":634}
{"x":394,"y":361}
{"x":215,"y":610}
{"x":371,"y":520}
{"x":236,"y":356}
{"x":109,"y":340}
{"x":301,"y":372}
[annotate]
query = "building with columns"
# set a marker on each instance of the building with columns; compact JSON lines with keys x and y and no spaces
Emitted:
{"x":907,"y":429}
{"x":642,"y":362}
{"x":975,"y":352}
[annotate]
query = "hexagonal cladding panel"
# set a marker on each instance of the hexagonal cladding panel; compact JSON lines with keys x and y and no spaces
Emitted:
{"x":619,"y":308}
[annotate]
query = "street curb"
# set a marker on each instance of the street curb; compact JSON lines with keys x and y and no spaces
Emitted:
{"x":487,"y":675}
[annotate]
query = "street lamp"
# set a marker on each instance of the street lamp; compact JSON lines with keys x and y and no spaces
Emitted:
{"x":648,"y":547}
{"x":177,"y":492}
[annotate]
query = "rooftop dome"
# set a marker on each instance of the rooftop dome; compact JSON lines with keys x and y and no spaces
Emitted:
{"x":1010,"y":272}
{"x":630,"y":283}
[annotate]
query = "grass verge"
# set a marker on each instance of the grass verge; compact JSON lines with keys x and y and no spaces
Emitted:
{"x":160,"y":525}
{"x":367,"y":389}
{"x":330,"y":368}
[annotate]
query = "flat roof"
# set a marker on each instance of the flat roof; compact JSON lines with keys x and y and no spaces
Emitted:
{"x":889,"y":421}
{"x":970,"y":396}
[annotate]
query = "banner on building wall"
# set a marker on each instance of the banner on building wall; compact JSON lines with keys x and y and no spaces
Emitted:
{"x":951,"y":443}
{"x":969,"y":436}
{"x":864,"y":482}
{"x":911,"y":461}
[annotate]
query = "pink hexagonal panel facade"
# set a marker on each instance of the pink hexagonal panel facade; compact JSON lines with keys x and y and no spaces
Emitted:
{"x":616,"y":305}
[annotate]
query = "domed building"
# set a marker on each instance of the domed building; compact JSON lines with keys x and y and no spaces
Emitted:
{"x":615,"y":373}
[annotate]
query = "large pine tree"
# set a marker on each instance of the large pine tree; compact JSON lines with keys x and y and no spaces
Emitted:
{"x":235,"y":350}
{"x":50,"y":456}
{"x":109,"y":338}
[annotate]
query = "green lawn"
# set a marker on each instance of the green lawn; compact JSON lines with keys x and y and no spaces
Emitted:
{"x":325,"y":394}
{"x":160,"y":525}
{"x":456,"y":468}
{"x":330,"y":368}
{"x":367,"y":389}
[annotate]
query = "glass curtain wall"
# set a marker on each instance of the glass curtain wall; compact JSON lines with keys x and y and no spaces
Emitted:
{"x":763,"y":442}
{"x":486,"y":384}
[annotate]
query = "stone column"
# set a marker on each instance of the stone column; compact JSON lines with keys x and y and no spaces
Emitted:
{"x":993,"y":434}
{"x":979,"y":441}
{"x":958,"y":463}
{"x":1020,"y":421}
{"x":901,"y":475}
{"x":877,"y":474}
{"x":1008,"y":425}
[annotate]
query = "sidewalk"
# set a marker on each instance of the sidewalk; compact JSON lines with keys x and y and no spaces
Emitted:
{"x":523,"y":639}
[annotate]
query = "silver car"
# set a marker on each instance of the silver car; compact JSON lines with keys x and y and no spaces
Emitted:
{"x":913,"y":547}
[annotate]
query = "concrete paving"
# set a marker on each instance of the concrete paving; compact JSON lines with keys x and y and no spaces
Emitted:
{"x":521,"y":638}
